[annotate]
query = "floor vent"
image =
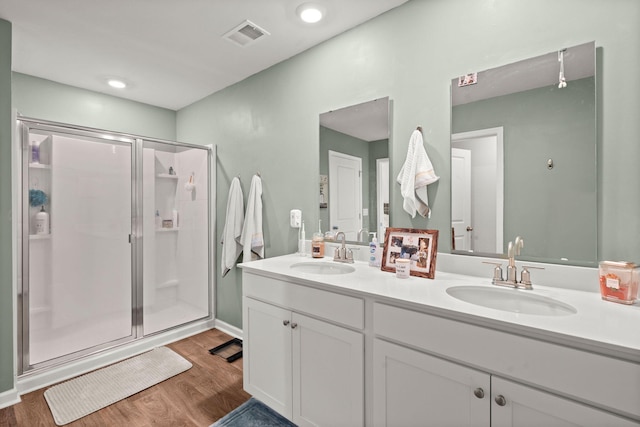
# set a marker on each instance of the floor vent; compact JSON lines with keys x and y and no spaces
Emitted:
{"x":246,"y":33}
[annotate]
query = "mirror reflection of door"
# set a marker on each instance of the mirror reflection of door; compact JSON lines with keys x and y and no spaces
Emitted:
{"x":479,"y":182}
{"x":461,"y":199}
{"x":345,"y":193}
{"x":382,"y":196}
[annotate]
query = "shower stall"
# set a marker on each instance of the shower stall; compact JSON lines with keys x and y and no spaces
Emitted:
{"x":116,"y":240}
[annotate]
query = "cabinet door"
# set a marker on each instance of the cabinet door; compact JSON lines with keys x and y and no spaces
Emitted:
{"x":267,"y":354}
{"x":328,"y":374}
{"x":524,"y":406}
{"x":411,"y":388}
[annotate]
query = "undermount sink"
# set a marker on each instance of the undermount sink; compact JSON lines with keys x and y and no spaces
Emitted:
{"x":512,"y":300}
{"x":322,"y":267}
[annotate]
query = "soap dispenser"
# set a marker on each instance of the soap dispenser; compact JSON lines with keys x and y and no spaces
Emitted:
{"x":373,"y":249}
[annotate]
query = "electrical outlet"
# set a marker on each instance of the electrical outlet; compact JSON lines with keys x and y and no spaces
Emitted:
{"x":295,"y":218}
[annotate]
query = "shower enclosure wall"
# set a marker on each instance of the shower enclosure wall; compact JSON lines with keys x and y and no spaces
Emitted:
{"x":116,"y":240}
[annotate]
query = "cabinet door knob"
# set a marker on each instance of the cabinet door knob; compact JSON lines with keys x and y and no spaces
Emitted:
{"x":294,"y":325}
{"x":479,"y":393}
{"x":500,"y":400}
{"x":285,"y":322}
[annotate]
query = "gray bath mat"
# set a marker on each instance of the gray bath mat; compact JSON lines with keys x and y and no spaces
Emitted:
{"x":253,"y":413}
{"x":83,"y":395}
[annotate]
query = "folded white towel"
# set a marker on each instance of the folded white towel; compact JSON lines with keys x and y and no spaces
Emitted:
{"x":252,"y":238}
{"x":231,"y":242}
{"x":416,"y":173}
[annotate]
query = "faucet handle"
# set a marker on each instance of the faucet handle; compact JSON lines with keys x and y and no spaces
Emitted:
{"x":525,"y":276}
{"x":497,"y":271}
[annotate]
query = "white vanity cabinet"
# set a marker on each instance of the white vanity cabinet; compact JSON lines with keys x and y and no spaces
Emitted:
{"x":303,"y":351}
{"x":411,"y":388}
{"x":364,"y":348}
{"x":434,"y":384}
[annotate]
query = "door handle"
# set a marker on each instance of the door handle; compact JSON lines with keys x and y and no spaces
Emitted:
{"x":469,"y":228}
{"x":285,"y":322}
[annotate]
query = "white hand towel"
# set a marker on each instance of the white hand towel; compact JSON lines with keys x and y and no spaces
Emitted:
{"x":231,"y":243}
{"x":416,"y":173}
{"x":252,"y":238}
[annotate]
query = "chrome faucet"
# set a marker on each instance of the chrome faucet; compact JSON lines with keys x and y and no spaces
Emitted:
{"x":342,"y":254}
{"x":513,"y":249}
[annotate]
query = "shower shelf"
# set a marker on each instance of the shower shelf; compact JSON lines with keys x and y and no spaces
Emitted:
{"x":39,"y":236}
{"x":166,"y":175}
{"x":166,"y":230}
{"x":39,"y":166}
{"x":168,"y":284}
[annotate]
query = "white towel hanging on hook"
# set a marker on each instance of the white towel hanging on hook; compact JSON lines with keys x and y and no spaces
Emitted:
{"x":252,"y":238}
{"x":416,"y":173}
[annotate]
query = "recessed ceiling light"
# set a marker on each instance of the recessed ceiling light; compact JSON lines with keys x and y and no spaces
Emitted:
{"x":118,"y":84}
{"x":310,"y":13}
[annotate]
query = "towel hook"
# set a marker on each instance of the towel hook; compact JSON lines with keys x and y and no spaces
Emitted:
{"x":419,"y":128}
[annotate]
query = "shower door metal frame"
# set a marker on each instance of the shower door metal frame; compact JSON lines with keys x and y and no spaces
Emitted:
{"x":25,"y":126}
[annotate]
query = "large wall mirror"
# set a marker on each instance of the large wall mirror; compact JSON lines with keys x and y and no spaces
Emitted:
{"x":523,"y":158}
{"x":354,"y":170}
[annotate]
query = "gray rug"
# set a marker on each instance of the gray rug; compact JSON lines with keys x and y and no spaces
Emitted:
{"x":83,"y":395}
{"x":253,"y":413}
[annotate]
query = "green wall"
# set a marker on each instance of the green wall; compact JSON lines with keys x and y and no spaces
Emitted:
{"x":47,"y":100}
{"x":6,"y":272}
{"x":269,"y":122}
{"x":541,"y":204}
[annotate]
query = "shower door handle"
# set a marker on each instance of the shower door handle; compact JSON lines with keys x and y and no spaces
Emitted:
{"x":129,"y":238}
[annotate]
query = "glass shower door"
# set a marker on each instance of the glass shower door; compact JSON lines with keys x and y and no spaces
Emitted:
{"x":78,"y":263}
{"x":175,"y":224}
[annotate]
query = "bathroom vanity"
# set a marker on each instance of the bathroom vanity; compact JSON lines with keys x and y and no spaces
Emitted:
{"x":333,"y":344}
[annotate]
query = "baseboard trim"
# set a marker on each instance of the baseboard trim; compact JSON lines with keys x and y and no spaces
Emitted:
{"x":228,"y":328}
{"x":9,"y":398}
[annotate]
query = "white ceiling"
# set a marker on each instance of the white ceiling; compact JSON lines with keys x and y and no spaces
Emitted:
{"x":368,"y":121}
{"x":531,"y":73}
{"x":170,"y":52}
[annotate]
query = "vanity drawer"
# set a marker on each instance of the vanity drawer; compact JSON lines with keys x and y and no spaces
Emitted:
{"x":337,"y":308}
{"x":595,"y":379}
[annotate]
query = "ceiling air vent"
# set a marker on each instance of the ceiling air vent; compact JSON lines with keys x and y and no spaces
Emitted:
{"x":246,"y":33}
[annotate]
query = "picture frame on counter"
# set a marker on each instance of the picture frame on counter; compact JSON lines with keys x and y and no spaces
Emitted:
{"x":420,"y":247}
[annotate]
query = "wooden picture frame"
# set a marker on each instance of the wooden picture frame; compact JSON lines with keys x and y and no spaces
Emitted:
{"x":419,"y":246}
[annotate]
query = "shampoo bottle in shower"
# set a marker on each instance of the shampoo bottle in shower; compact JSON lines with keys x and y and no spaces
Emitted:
{"x":42,"y":222}
{"x":174,"y":217}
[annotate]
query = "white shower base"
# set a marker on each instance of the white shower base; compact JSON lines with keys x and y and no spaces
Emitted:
{"x":161,"y":318}
{"x":47,"y":343}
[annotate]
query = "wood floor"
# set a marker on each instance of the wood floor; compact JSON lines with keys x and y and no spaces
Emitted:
{"x":196,"y":397}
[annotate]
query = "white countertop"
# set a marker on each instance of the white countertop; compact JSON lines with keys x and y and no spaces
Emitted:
{"x":599,"y":326}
